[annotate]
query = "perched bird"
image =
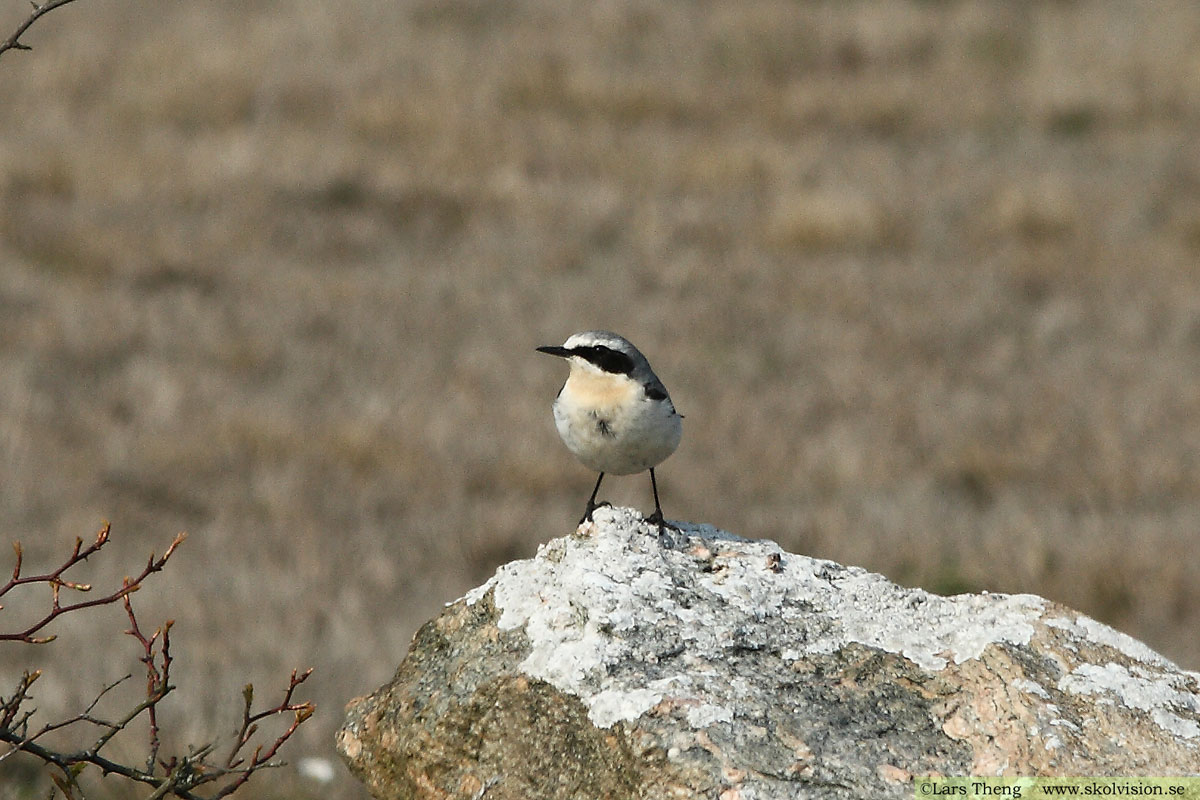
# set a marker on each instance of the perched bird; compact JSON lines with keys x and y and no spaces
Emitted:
{"x":613,"y":412}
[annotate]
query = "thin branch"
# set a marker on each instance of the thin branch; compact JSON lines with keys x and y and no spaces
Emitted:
{"x":14,"y":42}
{"x":64,"y":761}
{"x":83,"y":716}
{"x":78,"y":553}
{"x":56,"y":582}
{"x":157,"y":680}
{"x":176,"y":776}
{"x":12,"y":705}
{"x":183,"y":774}
{"x":262,"y":758}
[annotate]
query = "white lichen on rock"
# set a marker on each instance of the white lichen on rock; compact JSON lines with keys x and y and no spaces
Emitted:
{"x":590,"y":602}
{"x":927,"y":629}
{"x":694,"y":663}
{"x":1087,"y":629}
{"x":1163,"y":698}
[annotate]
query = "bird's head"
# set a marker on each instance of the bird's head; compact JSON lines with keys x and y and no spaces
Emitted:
{"x":600,"y":351}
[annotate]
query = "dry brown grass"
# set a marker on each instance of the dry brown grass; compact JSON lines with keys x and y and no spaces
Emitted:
{"x":922,"y":276}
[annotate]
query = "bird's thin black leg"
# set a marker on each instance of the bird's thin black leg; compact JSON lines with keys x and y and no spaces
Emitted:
{"x":657,"y":517}
{"x":592,"y":505}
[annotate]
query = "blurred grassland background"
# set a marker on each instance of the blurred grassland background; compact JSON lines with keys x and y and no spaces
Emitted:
{"x":923,"y":277}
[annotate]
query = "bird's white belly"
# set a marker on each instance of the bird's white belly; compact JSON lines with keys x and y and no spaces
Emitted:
{"x":620,"y":439}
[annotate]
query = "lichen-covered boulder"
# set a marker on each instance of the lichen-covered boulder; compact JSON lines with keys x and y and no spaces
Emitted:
{"x":623,"y":663}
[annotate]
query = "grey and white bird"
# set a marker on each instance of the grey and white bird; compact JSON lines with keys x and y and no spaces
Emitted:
{"x":613,"y":412}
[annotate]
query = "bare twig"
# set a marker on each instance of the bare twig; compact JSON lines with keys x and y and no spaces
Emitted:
{"x":261,"y":757}
{"x":11,"y":705}
{"x":56,"y":583}
{"x":14,"y":42}
{"x":157,"y":680}
{"x":175,"y":776}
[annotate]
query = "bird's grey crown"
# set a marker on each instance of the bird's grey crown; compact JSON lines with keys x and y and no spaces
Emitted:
{"x":609,"y":352}
{"x":606,"y":338}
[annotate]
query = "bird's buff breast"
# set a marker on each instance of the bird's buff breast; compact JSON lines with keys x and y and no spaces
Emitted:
{"x":604,"y":393}
{"x":635,"y":434}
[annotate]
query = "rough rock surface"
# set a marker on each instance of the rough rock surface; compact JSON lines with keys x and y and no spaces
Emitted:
{"x":619,"y":664}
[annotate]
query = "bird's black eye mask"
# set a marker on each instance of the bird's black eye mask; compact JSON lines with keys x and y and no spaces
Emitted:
{"x":605,"y":358}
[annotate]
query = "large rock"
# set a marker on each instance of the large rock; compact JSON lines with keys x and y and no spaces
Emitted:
{"x":621,"y":664}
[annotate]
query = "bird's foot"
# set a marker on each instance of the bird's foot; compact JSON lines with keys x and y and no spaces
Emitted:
{"x":587,"y":515}
{"x":665,"y":539}
{"x":657,"y":519}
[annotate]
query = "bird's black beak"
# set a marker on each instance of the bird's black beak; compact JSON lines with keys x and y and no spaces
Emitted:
{"x":561,"y":352}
